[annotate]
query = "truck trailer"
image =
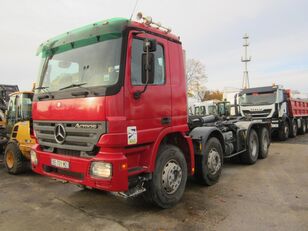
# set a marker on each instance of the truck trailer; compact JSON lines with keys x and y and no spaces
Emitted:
{"x":110,"y":112}
{"x":288,"y":116}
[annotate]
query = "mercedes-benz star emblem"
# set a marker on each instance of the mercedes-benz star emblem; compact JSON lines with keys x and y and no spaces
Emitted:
{"x":60,"y":133}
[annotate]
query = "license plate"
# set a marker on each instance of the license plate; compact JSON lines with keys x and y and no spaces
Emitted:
{"x":275,"y":125}
{"x":60,"y":163}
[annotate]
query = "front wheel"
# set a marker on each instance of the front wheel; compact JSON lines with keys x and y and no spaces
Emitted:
{"x":14,"y":161}
{"x":209,"y":165}
{"x":264,"y":143}
{"x":169,"y":178}
{"x":251,"y":155}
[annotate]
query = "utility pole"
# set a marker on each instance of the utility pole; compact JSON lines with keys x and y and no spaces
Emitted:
{"x":245,"y":60}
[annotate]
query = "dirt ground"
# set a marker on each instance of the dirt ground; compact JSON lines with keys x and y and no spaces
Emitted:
{"x":270,"y":195}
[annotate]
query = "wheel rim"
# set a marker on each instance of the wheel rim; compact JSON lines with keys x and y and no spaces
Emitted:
{"x":9,"y":159}
{"x":294,"y":129}
{"x":265,"y":141}
{"x":214,"y":161}
{"x":172,"y":176}
{"x":286,"y":130}
{"x":253,"y":146}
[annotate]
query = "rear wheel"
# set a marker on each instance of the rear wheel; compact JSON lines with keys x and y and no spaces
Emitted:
{"x":169,"y":178}
{"x":293,"y":131}
{"x":264,"y":143}
{"x":251,"y":155}
{"x":284,"y":131}
{"x":303,"y":128}
{"x":14,"y":161}
{"x":209,"y":165}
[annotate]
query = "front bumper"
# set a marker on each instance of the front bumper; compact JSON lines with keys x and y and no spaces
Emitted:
{"x":79,"y":169}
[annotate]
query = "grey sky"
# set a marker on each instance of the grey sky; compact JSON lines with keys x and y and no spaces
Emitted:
{"x":210,"y":30}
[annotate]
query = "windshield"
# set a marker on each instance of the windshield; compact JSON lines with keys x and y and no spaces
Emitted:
{"x":212,"y":110}
{"x":90,"y":66}
{"x":200,"y":110}
{"x":258,"y":98}
{"x":25,"y":112}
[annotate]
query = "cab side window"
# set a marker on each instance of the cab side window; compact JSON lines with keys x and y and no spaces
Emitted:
{"x":136,"y":63}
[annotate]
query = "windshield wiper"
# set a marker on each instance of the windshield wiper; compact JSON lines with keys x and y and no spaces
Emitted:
{"x":41,"y":88}
{"x":72,"y":85}
{"x":49,"y":95}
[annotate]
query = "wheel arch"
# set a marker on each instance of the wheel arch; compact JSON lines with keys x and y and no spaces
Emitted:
{"x":178,"y":139}
{"x":203,"y":134}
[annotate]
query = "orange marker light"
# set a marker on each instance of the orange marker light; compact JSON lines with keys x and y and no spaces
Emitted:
{"x":124,"y":166}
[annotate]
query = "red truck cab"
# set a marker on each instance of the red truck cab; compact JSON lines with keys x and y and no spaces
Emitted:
{"x":90,"y":127}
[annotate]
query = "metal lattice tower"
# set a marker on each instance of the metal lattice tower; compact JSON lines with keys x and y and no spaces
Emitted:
{"x":245,"y":60}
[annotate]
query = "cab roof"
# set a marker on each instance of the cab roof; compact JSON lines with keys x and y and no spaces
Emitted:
{"x":259,"y":90}
{"x":95,"y":32}
{"x":21,"y":92}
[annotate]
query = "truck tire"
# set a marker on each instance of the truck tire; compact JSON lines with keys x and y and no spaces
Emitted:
{"x":169,"y":177}
{"x":284,"y":131}
{"x":14,"y":161}
{"x":306,"y":120}
{"x":252,"y":153}
{"x":264,"y":143}
{"x":293,"y":130}
{"x":209,"y":165}
{"x":303,"y":129}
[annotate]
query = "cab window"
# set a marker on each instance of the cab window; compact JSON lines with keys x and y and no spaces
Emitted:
{"x":136,"y":63}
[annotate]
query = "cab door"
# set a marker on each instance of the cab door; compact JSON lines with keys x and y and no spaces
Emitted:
{"x":149,"y":114}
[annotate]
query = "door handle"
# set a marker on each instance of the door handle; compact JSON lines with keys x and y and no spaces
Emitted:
{"x":166,"y":120}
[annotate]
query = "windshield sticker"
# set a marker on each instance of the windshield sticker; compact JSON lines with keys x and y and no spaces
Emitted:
{"x":132,"y":135}
{"x":106,"y":78}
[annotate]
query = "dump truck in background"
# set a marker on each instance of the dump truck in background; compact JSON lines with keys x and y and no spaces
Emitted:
{"x":288,"y":116}
{"x":110,"y":112}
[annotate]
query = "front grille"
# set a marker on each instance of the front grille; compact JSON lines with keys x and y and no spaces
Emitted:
{"x":81,"y":137}
{"x":258,"y":114}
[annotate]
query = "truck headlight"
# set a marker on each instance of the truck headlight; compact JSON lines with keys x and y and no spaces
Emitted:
{"x":33,"y":156}
{"x":101,"y":169}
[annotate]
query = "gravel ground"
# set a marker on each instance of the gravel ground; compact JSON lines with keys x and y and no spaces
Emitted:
{"x":270,"y":195}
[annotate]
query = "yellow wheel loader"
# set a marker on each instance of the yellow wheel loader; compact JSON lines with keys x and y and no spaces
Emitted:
{"x":19,"y":130}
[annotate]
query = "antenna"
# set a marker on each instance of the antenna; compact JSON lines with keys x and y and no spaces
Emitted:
{"x":245,"y":60}
{"x":136,"y":3}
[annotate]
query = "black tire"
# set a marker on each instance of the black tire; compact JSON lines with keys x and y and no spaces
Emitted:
{"x":306,"y":124}
{"x":284,"y":131}
{"x":293,"y":130}
{"x":303,"y":129}
{"x":169,"y":177}
{"x":264,"y":140}
{"x":208,"y":173}
{"x":252,"y":153}
{"x":14,"y":161}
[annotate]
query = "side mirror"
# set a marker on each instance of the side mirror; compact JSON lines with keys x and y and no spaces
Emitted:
{"x":149,"y":45}
{"x":150,"y":67}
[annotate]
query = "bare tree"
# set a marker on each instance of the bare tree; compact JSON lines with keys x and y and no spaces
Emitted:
{"x":195,"y":79}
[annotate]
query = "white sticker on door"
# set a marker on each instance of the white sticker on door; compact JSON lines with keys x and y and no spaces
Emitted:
{"x":132,"y":135}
